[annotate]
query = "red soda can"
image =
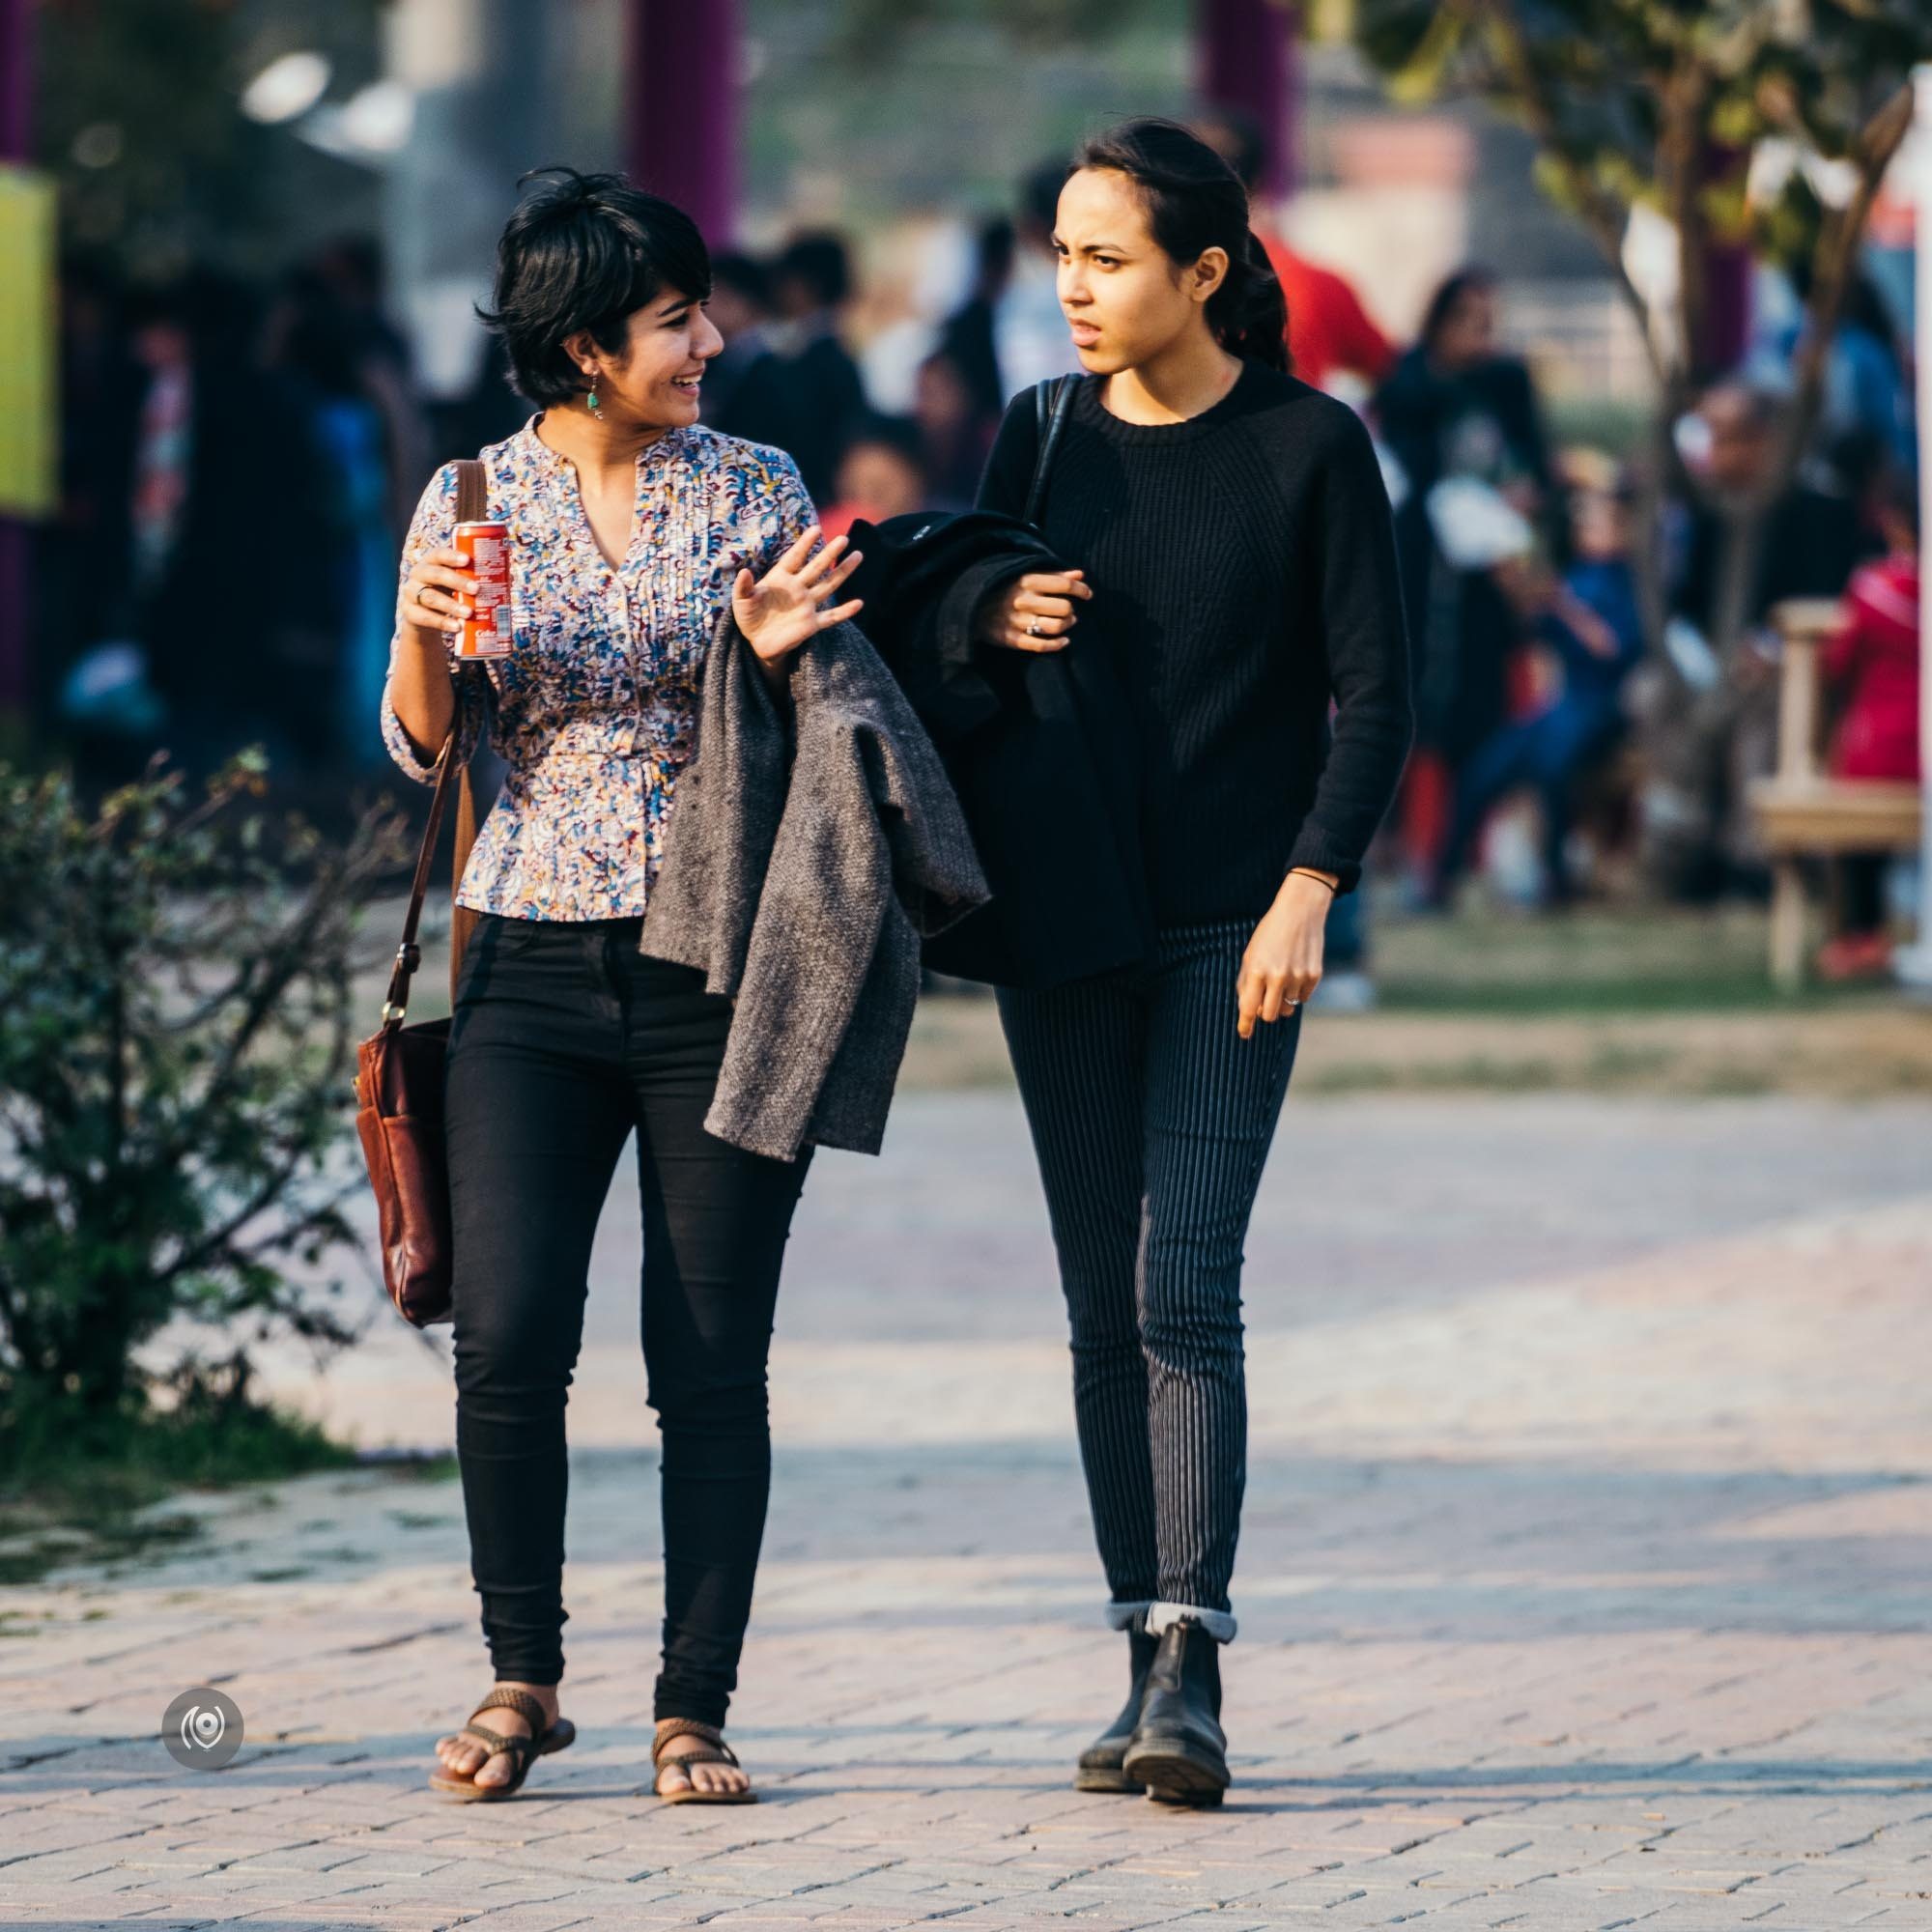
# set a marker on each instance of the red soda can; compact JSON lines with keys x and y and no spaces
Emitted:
{"x":486,"y":551}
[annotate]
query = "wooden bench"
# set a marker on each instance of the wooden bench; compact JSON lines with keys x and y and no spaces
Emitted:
{"x":1804,"y":813}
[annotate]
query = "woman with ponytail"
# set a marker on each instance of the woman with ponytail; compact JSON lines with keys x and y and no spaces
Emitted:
{"x":1231,"y":563}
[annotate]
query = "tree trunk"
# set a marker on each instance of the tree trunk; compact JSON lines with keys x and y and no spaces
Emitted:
{"x":1686,"y":732}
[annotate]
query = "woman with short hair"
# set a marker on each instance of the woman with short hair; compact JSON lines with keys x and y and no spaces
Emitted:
{"x":633,"y":530}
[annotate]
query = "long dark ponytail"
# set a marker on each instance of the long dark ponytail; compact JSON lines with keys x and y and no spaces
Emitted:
{"x":1194,"y":201}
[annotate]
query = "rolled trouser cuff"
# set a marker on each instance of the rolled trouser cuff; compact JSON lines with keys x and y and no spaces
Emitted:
{"x":1220,"y":1625}
{"x":1129,"y":1616}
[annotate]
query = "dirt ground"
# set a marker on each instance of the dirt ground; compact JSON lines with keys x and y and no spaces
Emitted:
{"x":1632,"y":1000}
{"x":1641,"y":1003}
{"x":1851,"y":1052}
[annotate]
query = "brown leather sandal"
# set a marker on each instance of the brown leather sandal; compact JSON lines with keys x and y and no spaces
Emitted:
{"x":719,"y":1753}
{"x":521,"y":1752}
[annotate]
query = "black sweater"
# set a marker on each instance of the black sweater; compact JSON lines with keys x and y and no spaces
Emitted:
{"x":1243,"y":569}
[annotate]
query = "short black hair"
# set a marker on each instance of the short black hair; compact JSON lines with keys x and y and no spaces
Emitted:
{"x":746,"y":275}
{"x":1040,"y":194}
{"x":584,"y":252}
{"x":899,"y":433}
{"x":1474,"y":278}
{"x":993,"y":248}
{"x":1243,"y":145}
{"x":1764,"y":409}
{"x":1896,"y":489}
{"x":357,"y":260}
{"x":822,"y":262}
{"x":219,"y":314}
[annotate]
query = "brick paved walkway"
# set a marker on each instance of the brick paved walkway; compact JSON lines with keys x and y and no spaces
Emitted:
{"x":1584,"y":1582}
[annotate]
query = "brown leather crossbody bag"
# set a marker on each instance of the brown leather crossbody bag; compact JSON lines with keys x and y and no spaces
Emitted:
{"x":399,"y":1068}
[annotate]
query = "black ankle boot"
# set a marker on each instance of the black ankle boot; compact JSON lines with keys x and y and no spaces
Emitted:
{"x":1100,"y":1762}
{"x":1177,"y":1749}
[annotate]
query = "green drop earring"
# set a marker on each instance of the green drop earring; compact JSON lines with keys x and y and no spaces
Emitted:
{"x":596,"y":407}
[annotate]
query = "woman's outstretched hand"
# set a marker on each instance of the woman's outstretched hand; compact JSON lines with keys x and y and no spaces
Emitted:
{"x":1282,"y":966}
{"x":783,"y":608}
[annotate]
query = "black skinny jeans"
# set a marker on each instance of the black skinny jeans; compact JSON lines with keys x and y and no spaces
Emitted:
{"x":565,"y":1040}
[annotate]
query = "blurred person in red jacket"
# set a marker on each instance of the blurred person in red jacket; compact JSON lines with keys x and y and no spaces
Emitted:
{"x":1872,"y":667}
{"x":880,"y":474}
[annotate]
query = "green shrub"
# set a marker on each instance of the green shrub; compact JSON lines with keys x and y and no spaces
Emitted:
{"x":177,"y":1039}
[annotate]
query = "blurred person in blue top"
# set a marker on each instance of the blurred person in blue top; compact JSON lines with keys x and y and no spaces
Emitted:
{"x":1867,"y":378}
{"x":1029,"y":341}
{"x":316,"y":344}
{"x":1587,"y":621}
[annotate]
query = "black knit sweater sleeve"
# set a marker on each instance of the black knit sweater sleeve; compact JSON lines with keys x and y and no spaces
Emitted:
{"x":1358,"y":602}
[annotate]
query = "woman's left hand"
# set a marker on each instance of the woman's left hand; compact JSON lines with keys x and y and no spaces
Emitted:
{"x":1282,"y":966}
{"x":781,"y":611}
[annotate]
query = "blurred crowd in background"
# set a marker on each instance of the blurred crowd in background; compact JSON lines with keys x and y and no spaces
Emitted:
{"x":240,"y":462}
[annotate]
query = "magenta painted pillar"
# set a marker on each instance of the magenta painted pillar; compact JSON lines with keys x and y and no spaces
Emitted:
{"x":681,"y":108}
{"x":1727,"y":302}
{"x":16,"y":136}
{"x":1246,"y":58}
{"x":1727,"y":280}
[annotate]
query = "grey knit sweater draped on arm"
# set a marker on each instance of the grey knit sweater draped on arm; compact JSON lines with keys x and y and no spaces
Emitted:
{"x":806,"y":855}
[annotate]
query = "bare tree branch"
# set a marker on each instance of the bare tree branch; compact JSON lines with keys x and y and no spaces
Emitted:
{"x":1605,"y":215}
{"x":285,"y":1237}
{"x":1832,"y":264}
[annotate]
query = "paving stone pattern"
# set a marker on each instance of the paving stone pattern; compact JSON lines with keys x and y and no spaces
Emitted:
{"x":1583,"y":1582}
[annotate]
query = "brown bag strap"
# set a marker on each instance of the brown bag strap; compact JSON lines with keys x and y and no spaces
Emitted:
{"x":408,"y":954}
{"x":471,"y":505}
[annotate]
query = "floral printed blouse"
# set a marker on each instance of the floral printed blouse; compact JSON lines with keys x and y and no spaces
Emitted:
{"x":594,"y":709}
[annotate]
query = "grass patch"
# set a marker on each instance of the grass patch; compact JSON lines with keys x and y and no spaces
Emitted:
{"x":411,"y":1466}
{"x":1627,"y":998}
{"x":413,"y":1520}
{"x":1590,"y":961}
{"x":84,"y":1488}
{"x":1619,"y":427}
{"x":1588,"y":995}
{"x":1479,"y":1072}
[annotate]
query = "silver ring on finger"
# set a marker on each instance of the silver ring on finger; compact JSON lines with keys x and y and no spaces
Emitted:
{"x":1032,"y":629}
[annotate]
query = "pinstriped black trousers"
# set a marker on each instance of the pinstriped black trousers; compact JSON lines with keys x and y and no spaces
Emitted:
{"x":1152,"y":1119}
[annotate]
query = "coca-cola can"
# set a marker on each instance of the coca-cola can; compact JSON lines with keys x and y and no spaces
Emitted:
{"x":486,"y":551}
